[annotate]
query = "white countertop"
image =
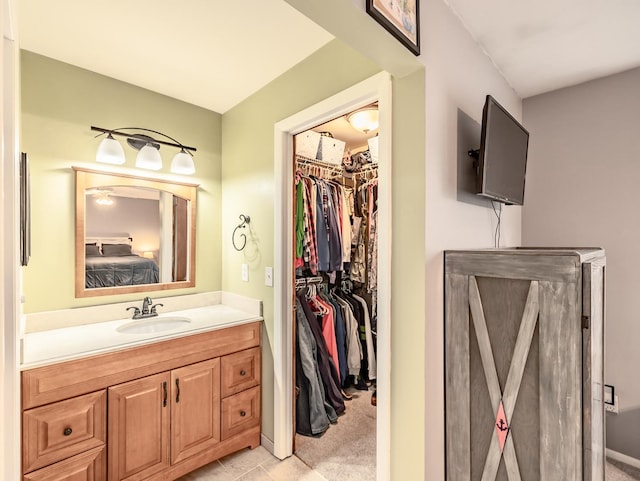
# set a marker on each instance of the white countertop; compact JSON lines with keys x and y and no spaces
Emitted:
{"x":66,"y":343}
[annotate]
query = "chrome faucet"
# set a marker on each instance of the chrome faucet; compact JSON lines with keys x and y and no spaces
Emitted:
{"x":146,"y":304}
{"x":148,"y":309}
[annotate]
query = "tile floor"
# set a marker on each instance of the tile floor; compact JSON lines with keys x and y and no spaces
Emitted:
{"x":254,"y":465}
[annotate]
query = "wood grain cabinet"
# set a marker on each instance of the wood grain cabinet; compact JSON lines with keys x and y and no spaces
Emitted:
{"x":173,"y":406}
{"x":524,"y":364}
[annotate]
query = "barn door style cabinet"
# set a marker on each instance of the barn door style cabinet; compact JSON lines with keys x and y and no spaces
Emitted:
{"x":524,"y":364}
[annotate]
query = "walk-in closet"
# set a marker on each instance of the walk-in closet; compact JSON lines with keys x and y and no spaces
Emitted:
{"x":335,"y":317}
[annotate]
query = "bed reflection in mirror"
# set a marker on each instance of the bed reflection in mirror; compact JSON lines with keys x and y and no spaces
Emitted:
{"x":133,"y":234}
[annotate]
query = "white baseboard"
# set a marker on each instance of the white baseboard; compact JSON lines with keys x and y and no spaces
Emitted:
{"x":623,"y":458}
{"x":266,"y":443}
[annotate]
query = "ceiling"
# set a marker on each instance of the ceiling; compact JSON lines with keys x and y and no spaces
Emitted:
{"x":215,"y":53}
{"x":540,"y":46}
{"x":211,"y":53}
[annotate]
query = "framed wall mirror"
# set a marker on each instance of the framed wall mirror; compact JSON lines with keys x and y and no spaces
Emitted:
{"x":133,"y":234}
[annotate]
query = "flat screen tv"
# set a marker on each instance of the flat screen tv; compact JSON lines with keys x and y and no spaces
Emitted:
{"x":502,"y":158}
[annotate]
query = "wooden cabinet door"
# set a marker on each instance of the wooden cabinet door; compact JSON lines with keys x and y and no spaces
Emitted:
{"x":523,"y":365}
{"x":138,"y":439}
{"x":195,"y":413}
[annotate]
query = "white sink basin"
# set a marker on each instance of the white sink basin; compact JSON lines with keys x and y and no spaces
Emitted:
{"x":150,"y":326}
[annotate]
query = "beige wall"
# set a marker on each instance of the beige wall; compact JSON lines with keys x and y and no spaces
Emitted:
{"x":459,"y":76}
{"x":582,"y":184}
{"x":59,"y":104}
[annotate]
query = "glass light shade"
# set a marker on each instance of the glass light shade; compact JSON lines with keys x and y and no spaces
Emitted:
{"x":149,"y":158}
{"x":110,"y":151}
{"x":182,"y":163}
{"x":364,"y":120}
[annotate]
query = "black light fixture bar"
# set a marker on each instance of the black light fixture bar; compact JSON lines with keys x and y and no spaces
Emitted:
{"x":175,"y":143}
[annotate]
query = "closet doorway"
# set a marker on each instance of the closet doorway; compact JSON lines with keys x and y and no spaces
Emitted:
{"x":373,"y":91}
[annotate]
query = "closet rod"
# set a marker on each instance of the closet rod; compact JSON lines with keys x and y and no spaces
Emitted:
{"x":307,"y":281}
{"x":318,"y":163}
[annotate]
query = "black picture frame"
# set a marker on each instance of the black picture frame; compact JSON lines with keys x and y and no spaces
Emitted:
{"x":25,"y":210}
{"x":401,"y":18}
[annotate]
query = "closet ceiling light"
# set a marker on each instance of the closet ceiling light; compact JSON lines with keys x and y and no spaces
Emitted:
{"x":103,"y":197}
{"x":110,"y":150}
{"x":364,"y":120}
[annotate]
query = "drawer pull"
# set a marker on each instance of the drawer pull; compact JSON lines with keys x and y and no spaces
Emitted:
{"x":177,"y":390}
{"x":243,"y":413}
{"x":67,"y":431}
{"x":243,"y":372}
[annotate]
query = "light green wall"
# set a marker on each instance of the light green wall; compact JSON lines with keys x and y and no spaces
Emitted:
{"x":248,"y":182}
{"x":59,"y":104}
{"x":248,"y":188}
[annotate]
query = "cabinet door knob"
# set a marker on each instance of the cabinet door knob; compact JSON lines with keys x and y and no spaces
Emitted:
{"x":243,"y":413}
{"x":67,"y":431}
{"x":243,"y":372}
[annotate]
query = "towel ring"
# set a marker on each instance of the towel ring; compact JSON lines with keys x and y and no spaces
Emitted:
{"x":245,"y":219}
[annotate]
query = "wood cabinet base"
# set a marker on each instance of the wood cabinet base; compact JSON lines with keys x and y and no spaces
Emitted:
{"x":165,"y":409}
{"x":248,"y":439}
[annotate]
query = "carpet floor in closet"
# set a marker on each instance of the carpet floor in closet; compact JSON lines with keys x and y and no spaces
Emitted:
{"x":347,"y":450}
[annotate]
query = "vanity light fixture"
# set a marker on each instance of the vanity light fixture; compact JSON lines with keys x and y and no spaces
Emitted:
{"x":365,"y":119}
{"x":110,"y":151}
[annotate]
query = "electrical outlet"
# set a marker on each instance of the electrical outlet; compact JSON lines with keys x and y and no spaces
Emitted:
{"x":612,"y":408}
{"x":245,"y":272}
{"x":268,"y":276}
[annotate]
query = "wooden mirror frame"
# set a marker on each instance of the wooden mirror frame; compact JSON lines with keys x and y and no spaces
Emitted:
{"x":88,"y":179}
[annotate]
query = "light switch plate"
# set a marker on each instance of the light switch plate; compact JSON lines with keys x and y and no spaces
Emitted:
{"x":245,"y":272}
{"x":268,"y":276}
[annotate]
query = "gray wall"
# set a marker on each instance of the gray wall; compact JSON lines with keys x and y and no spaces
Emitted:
{"x":583,"y":183}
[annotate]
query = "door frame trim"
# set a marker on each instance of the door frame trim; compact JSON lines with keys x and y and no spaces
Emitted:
{"x":375,"y":88}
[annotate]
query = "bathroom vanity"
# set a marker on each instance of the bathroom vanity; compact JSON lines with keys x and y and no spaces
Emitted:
{"x":141,"y":402}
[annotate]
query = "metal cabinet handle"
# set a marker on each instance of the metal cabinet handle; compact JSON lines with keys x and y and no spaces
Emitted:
{"x":243,"y":413}
{"x":67,"y":431}
{"x":164,"y":388}
{"x":243,"y":372}
{"x":178,"y":390}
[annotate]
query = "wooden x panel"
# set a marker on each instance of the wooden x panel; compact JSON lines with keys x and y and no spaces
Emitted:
{"x":514,"y":378}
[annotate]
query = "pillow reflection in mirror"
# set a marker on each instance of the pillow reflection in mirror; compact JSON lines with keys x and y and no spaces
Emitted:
{"x":92,"y":250}
{"x":116,"y":250}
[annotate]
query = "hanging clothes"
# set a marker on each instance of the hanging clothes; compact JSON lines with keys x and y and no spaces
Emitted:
{"x":336,"y":239}
{"x":328,"y":371}
{"x":313,"y":413}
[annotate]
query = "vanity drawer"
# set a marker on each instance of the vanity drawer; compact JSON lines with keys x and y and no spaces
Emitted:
{"x":240,"y":371}
{"x":89,"y":466}
{"x":60,"y":430}
{"x":240,"y":412}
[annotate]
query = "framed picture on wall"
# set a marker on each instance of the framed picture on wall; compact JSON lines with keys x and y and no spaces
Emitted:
{"x":401,"y":18}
